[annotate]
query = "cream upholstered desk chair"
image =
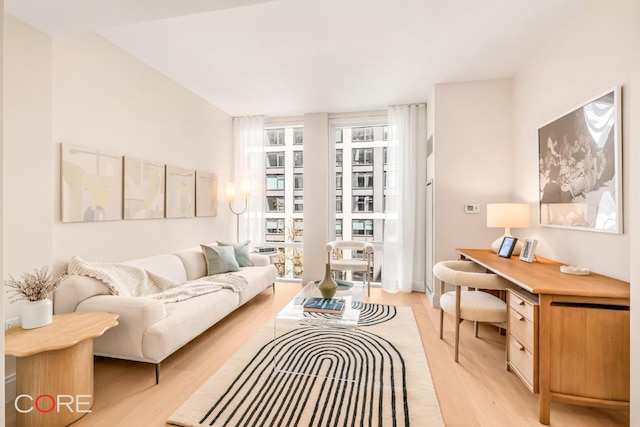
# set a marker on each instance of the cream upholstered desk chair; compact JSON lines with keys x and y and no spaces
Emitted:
{"x":476,"y":306}
{"x":353,"y":264}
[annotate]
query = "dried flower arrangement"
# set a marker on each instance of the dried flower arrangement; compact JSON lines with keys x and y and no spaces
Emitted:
{"x":34,"y":287}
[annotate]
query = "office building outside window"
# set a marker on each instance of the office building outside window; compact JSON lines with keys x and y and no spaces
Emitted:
{"x":363,"y":179}
{"x":362,"y":203}
{"x":275,"y":160}
{"x":275,"y":137}
{"x":275,"y":182}
{"x":360,"y":198}
{"x":298,"y":136}
{"x":275,"y":204}
{"x":284,"y":211}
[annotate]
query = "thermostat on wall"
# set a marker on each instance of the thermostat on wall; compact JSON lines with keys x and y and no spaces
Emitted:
{"x":472,"y":208}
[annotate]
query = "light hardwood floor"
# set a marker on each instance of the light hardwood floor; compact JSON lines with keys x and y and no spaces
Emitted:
{"x":478,"y":391}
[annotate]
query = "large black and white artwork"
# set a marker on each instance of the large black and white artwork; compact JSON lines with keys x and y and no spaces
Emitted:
{"x":580,"y":167}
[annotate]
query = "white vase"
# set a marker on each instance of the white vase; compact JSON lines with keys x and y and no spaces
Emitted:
{"x":37,"y":313}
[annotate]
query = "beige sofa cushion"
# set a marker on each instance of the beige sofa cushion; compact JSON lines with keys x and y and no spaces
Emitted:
{"x":193,"y":262}
{"x":258,"y":278}
{"x":184,"y":321}
{"x":167,"y":265}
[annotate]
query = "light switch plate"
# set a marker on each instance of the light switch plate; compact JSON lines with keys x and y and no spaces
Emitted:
{"x":472,"y":208}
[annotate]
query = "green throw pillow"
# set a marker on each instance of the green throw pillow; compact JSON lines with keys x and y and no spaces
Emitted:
{"x":242,"y":252}
{"x":220,"y":259}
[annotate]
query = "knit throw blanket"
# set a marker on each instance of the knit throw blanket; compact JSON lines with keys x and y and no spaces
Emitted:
{"x":128,"y":280}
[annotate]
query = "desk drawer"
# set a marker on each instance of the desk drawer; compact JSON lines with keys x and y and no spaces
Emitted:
{"x":522,"y":329}
{"x":522,"y":337}
{"x":522,"y":362}
{"x":521,"y":305}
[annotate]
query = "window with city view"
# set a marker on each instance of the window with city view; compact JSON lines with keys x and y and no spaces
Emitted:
{"x":360,"y":196}
{"x":284,"y":204}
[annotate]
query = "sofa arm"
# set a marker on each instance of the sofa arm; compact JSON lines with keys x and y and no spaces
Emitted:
{"x":259,"y":260}
{"x":75,"y":289}
{"x":135,"y":316}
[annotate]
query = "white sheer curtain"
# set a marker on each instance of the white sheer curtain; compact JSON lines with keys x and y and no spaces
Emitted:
{"x":404,"y":227}
{"x":249,"y":163}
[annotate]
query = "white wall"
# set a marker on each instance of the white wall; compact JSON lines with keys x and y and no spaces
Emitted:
{"x":431,"y":108}
{"x":471,"y":161}
{"x":105,"y":98}
{"x":588,"y":56}
{"x":28,"y":168}
{"x":2,"y":297}
{"x":635,"y":240}
{"x":634,"y":218}
{"x":27,"y":164}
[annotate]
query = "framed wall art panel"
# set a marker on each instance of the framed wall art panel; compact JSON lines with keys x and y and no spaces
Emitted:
{"x":206,"y":194}
{"x":580,"y":167}
{"x":180,"y":192}
{"x":143,"y":189}
{"x":91,"y":184}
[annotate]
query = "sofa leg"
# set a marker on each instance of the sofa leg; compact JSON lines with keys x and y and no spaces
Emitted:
{"x":157,"y":373}
{"x":273,"y":286}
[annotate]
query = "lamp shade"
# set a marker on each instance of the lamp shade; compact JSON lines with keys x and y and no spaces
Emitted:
{"x":508,"y":215}
{"x":246,"y":187}
{"x":230,"y":192}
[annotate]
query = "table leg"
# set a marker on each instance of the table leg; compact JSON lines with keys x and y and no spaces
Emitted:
{"x":544,"y":367}
{"x":55,"y":387}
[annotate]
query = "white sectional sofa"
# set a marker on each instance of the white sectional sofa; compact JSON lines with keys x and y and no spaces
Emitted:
{"x":149,"y":330}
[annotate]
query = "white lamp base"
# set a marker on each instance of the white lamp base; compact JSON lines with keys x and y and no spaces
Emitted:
{"x":498,"y":242}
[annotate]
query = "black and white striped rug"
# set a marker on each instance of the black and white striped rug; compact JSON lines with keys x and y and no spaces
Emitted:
{"x":376,"y":374}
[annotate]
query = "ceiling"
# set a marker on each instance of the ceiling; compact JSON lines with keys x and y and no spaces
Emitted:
{"x":290,"y":57}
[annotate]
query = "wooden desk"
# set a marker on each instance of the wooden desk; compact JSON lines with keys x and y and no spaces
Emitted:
{"x":55,"y":365}
{"x":584,"y":328}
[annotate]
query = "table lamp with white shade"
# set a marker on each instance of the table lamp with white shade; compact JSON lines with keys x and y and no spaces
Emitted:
{"x":507,"y":216}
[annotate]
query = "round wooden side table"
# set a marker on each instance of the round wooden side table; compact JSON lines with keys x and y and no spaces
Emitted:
{"x":54,"y":367}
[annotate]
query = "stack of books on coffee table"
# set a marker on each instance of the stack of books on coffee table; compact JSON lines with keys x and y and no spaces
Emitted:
{"x":324,"y":305}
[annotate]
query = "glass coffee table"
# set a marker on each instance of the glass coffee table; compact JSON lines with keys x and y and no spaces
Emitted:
{"x":352,"y":293}
{"x":304,"y":342}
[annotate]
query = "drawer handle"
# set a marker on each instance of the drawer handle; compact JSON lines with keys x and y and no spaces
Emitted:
{"x":521,"y":318}
{"x":521,"y":348}
{"x":521,"y":302}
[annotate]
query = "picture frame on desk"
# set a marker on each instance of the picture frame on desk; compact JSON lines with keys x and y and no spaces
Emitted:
{"x":528,"y":252}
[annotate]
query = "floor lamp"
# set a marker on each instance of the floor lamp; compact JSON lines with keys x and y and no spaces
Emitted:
{"x":230,"y":193}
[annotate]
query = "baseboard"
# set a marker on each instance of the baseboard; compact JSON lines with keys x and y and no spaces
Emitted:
{"x":10,"y":388}
{"x":434,"y":300}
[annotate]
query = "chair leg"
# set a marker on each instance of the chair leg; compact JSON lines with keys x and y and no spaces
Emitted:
{"x":457,"y":340}
{"x":475,"y":329}
{"x":458,"y":319}
{"x":441,"y":320}
{"x":157,"y":373}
